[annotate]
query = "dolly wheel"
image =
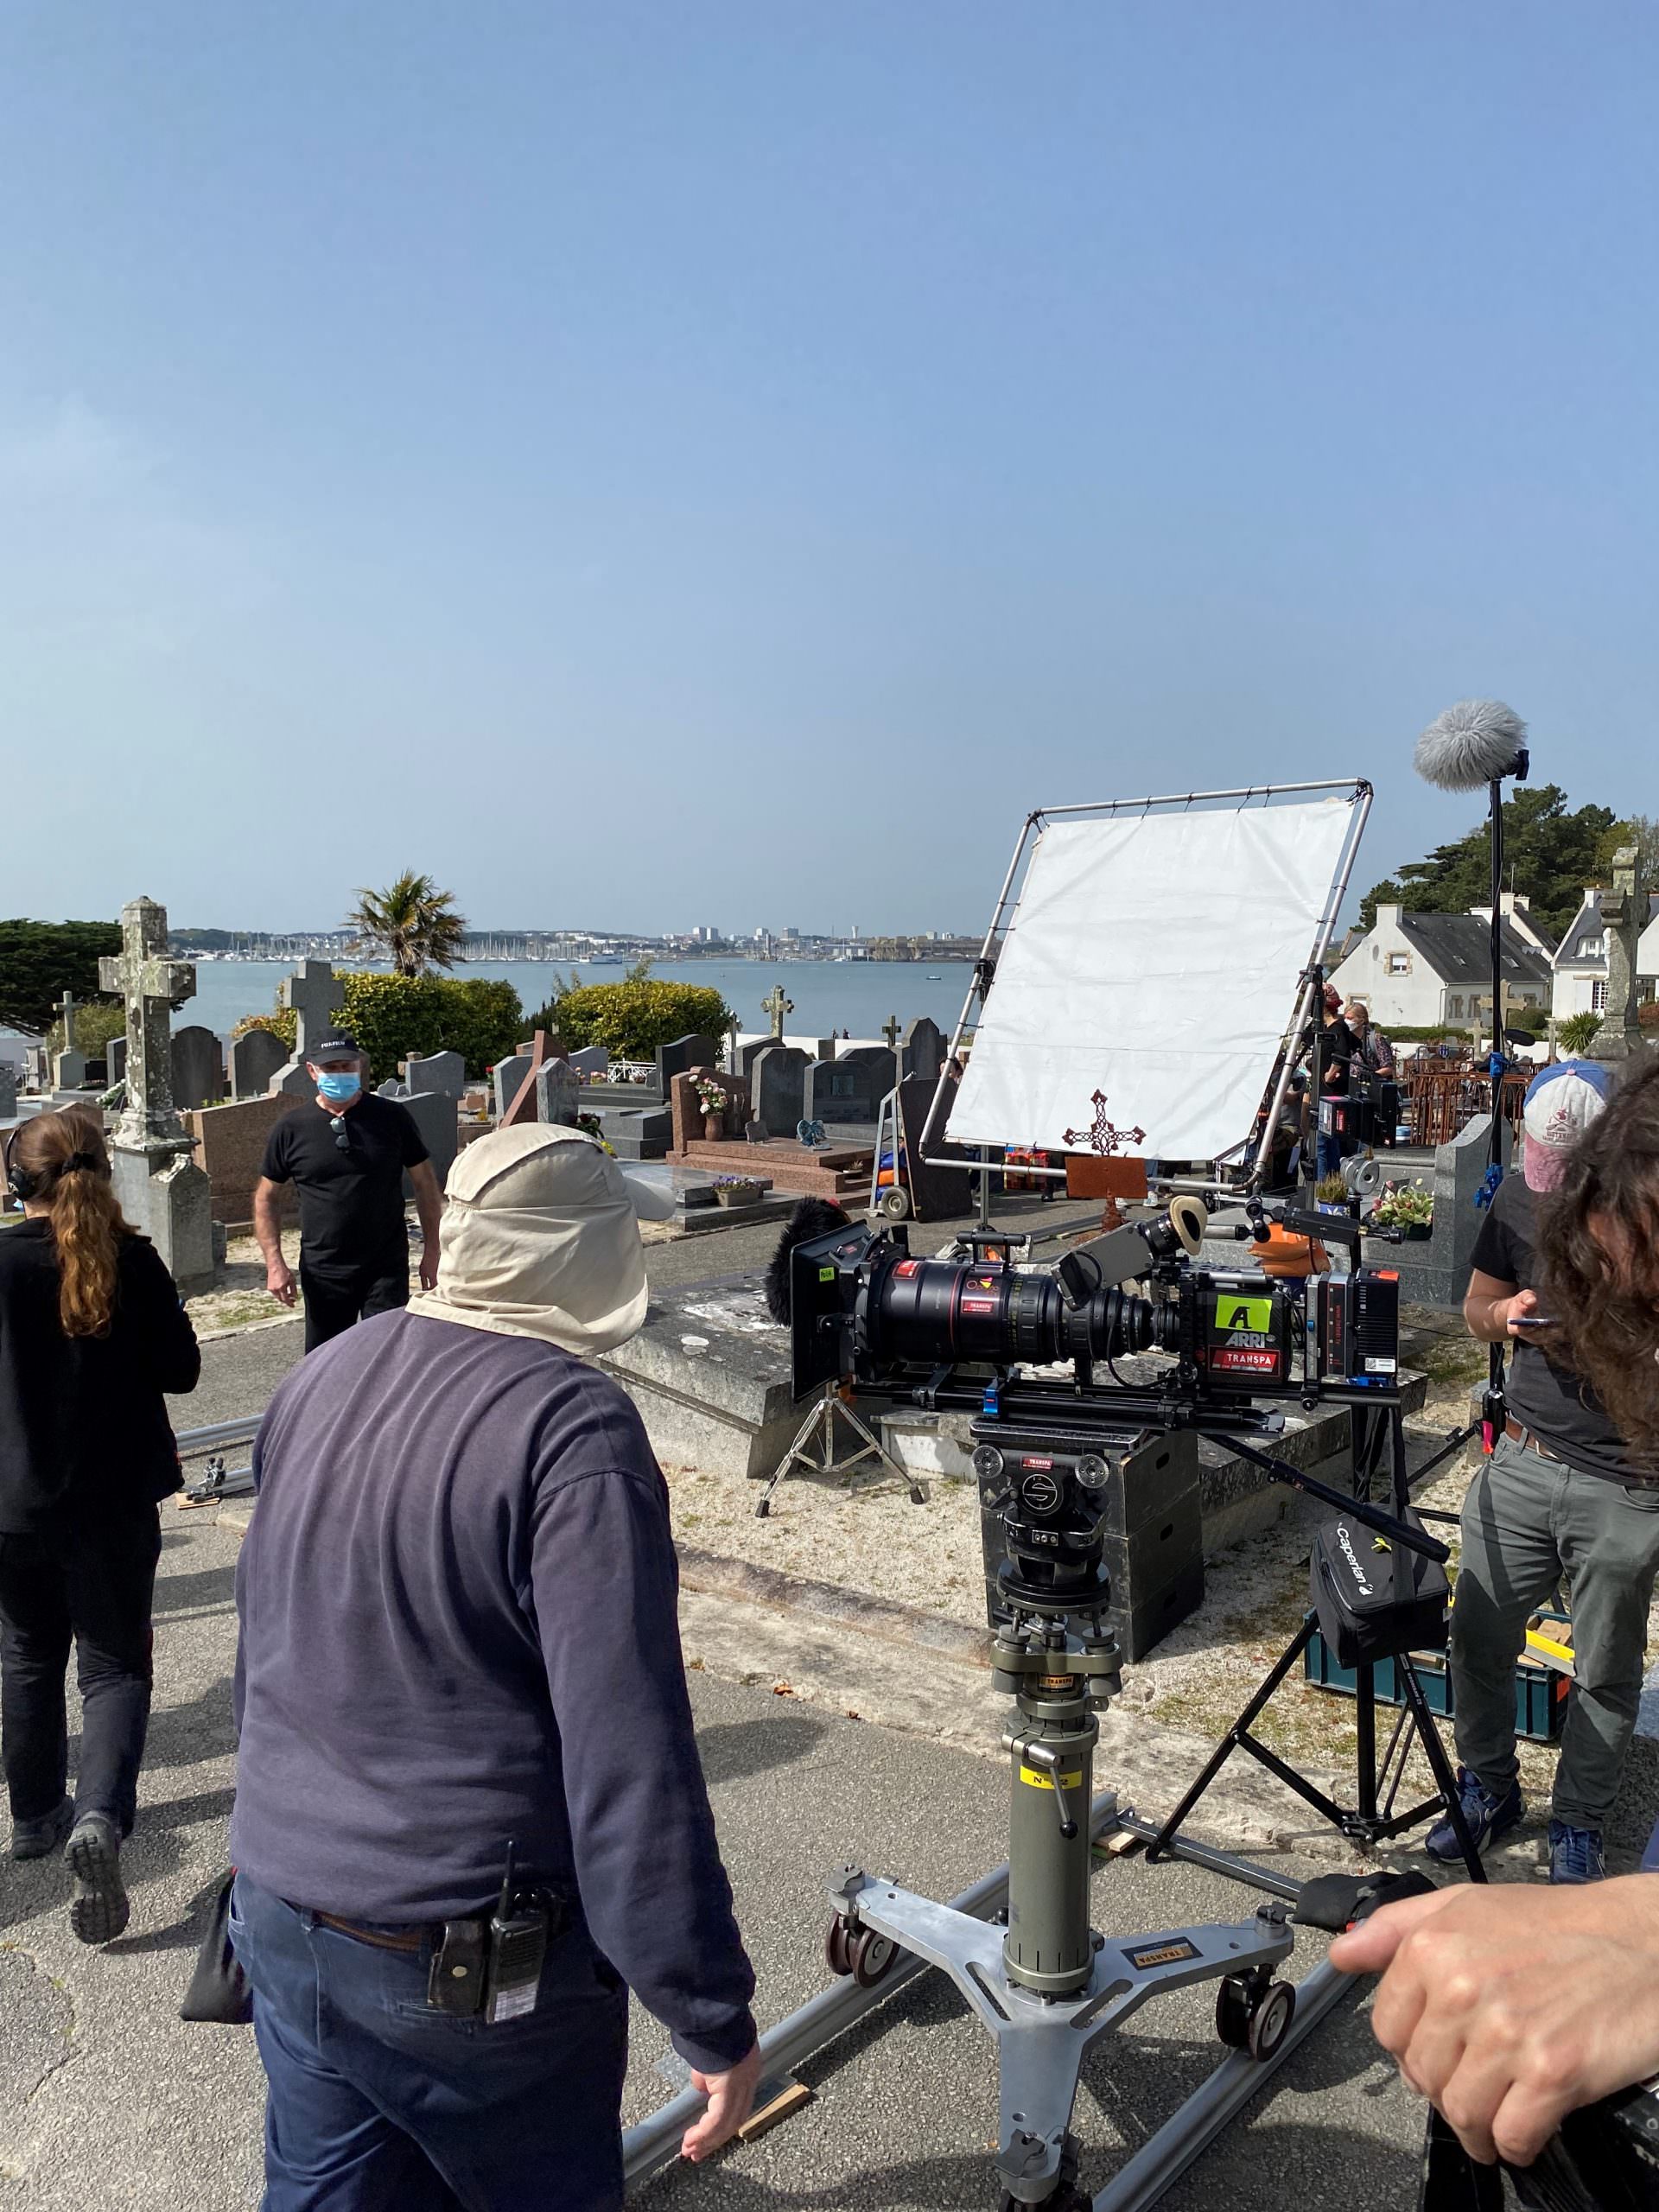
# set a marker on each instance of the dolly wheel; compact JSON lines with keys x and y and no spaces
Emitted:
{"x":1270,"y":2022}
{"x":1234,"y":2003}
{"x":895,"y":1205}
{"x":838,"y":1946}
{"x":1065,"y":2198}
{"x":869,"y":1956}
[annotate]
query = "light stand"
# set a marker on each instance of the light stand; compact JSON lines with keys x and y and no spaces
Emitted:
{"x":819,"y":1427}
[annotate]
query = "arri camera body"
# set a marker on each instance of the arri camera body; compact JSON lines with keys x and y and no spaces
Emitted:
{"x":865,"y":1310}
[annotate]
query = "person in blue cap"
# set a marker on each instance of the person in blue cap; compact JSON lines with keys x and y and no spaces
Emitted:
{"x":1561,"y":1501}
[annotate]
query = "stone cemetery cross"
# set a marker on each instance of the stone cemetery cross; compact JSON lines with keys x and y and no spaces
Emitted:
{"x":65,"y":1006}
{"x":152,"y":984}
{"x":890,"y":1031}
{"x":1624,"y":911}
{"x":315,"y":992}
{"x":777,"y":1006}
{"x":732,"y":1029}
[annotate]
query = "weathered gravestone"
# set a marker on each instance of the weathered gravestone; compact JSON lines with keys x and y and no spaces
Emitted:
{"x":68,"y":1069}
{"x":198,"y":1068}
{"x":37,"y":1074}
{"x":508,"y":1076}
{"x":160,"y":1187}
{"x":1436,"y":1273}
{"x":1625,"y":913}
{"x":314,"y":994}
{"x":683,"y":1054}
{"x":256,"y":1060}
{"x":777,"y":1088}
{"x":445,"y":1071}
{"x":922,"y":1053}
{"x":434,"y":1113}
{"x":558,"y":1093}
{"x":591,"y":1060}
{"x":851,"y":1088}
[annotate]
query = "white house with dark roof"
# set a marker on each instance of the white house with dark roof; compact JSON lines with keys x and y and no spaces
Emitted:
{"x":1423,"y":971}
{"x":1580,"y":978}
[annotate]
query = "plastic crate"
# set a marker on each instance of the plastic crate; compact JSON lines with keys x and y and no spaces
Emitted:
{"x":1540,"y":1695}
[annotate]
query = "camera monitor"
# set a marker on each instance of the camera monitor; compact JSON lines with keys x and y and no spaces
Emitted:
{"x":1149,"y":967}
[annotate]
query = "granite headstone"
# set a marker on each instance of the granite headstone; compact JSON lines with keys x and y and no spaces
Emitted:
{"x":198,"y":1068}
{"x":508,"y":1076}
{"x":445,"y":1071}
{"x":778,"y":1087}
{"x":922,"y":1051}
{"x":684,"y":1052}
{"x":558,"y":1093}
{"x":256,"y":1059}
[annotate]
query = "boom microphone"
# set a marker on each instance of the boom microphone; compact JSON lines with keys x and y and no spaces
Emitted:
{"x":1472,"y":745}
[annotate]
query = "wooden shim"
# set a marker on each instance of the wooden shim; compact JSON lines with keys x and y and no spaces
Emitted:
{"x":788,"y":2100}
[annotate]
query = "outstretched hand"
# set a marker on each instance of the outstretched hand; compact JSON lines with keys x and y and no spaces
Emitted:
{"x":1508,"y":2010}
{"x":730,"y":2095}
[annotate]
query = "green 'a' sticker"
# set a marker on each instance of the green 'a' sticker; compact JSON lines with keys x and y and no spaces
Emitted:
{"x":1253,"y":1313}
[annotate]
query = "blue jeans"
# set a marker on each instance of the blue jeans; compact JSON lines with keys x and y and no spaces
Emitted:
{"x":1329,"y":1155}
{"x":378,"y":2103}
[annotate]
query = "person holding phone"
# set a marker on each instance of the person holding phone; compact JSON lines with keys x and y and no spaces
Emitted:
{"x":1561,"y":1499}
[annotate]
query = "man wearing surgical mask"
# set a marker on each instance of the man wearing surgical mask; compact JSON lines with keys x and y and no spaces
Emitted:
{"x":346,"y":1158}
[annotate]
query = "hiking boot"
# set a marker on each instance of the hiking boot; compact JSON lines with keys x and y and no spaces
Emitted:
{"x":37,"y":1839}
{"x":1485,"y":1816}
{"x":99,"y":1912}
{"x":1575,"y":1854}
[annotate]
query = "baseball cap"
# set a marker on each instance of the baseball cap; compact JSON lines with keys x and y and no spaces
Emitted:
{"x":336,"y":1045}
{"x":540,"y":1238}
{"x":1561,"y":1102}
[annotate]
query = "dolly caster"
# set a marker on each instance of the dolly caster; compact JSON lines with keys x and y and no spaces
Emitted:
{"x":1068,"y":2197}
{"x":860,"y":1952}
{"x":1253,"y":2013}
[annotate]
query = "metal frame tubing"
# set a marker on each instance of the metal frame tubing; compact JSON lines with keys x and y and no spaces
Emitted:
{"x":190,"y":1440}
{"x":1363,"y":796}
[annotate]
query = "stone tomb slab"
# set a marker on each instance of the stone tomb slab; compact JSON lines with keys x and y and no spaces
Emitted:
{"x":230,"y":1149}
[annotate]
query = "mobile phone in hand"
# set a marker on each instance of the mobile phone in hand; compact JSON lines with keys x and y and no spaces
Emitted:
{"x":1531,"y":1321}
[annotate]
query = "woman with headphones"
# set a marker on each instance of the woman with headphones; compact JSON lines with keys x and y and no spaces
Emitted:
{"x":91,"y":1334}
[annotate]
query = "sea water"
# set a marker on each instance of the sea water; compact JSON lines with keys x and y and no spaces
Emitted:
{"x":829,"y":996}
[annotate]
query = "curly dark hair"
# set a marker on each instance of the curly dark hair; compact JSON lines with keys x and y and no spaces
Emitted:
{"x":1599,"y":1255}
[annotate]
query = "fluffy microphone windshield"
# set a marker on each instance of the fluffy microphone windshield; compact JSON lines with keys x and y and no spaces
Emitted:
{"x":1471,"y":745}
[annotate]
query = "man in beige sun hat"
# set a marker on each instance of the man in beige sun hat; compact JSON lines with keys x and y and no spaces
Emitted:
{"x":457,"y":1602}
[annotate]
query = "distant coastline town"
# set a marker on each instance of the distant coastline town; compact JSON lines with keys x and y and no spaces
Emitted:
{"x":587,"y":948}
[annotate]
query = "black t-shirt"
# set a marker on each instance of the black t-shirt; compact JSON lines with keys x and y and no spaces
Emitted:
{"x":1338,"y":1046}
{"x":351,"y":1195}
{"x":1563,"y":1412}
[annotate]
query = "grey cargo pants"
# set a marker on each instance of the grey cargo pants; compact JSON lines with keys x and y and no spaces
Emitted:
{"x":1529,"y":1522}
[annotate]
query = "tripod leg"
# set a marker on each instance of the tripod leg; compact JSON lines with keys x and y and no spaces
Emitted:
{"x":1365,"y":1721}
{"x":873,"y":1443}
{"x":1158,"y":1847}
{"x":1445,"y":1781}
{"x":798,"y":1451}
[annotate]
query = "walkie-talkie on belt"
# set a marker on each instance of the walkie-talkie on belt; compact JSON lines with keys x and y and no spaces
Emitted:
{"x":518,"y":1945}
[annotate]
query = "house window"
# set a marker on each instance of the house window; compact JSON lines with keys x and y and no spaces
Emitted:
{"x":1454,"y":1006}
{"x":1593,"y":948}
{"x":1399,"y":963}
{"x":1598,"y":998}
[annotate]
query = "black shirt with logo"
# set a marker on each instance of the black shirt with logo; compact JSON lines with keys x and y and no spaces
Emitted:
{"x":1563,"y":1412}
{"x":351,"y":1193}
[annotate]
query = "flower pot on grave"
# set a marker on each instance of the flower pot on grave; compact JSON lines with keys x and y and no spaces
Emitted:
{"x":736,"y":1194}
{"x":714,"y":1127}
{"x":1418,"y":1232}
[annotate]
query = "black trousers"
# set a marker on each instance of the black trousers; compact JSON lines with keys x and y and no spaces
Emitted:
{"x":91,"y":1588}
{"x":335,"y":1303}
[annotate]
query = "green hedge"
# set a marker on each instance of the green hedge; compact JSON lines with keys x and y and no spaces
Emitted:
{"x":393,"y":1016}
{"x":631,"y":1020}
{"x":40,"y":960}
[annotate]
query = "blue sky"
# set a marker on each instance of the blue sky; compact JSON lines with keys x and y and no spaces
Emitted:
{"x":727,"y":460}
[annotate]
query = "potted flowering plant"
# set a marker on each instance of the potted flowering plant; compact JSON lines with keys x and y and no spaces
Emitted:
{"x":714,"y":1102}
{"x":1408,"y":1207}
{"x":736,"y":1191}
{"x":1331,"y":1195}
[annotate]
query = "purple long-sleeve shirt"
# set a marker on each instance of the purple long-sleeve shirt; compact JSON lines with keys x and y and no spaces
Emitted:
{"x":458,"y":1618}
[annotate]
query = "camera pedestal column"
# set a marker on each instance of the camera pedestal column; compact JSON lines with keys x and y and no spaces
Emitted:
{"x":1048,"y":1987}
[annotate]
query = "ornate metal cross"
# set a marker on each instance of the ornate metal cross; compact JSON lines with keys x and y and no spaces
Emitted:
{"x":1101,"y":1136}
{"x":777,"y":1006}
{"x":152,"y":984}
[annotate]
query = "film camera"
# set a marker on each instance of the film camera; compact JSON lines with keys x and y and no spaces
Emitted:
{"x":967,"y":1333}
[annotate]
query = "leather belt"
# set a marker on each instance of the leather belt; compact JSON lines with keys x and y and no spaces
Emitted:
{"x":383,"y":1939}
{"x":1527,"y":1439}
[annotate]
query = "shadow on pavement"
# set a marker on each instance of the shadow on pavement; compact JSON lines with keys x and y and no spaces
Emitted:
{"x":732,"y":1749}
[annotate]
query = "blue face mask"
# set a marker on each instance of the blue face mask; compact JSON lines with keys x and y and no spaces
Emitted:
{"x":337,"y":1088}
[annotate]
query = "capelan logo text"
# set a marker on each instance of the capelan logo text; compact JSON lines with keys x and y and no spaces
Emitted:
{"x":1352,"y":1558}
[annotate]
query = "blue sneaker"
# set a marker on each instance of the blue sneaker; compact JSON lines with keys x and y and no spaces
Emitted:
{"x":1485,"y":1816}
{"x":1575,"y":1854}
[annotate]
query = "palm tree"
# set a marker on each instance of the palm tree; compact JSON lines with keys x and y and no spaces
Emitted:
{"x":411,"y":922}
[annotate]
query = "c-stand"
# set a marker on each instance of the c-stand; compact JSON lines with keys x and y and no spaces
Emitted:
{"x":1405,"y":1618}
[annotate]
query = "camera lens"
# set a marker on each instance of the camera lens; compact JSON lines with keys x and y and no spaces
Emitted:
{"x":988,"y":1461}
{"x":1093,"y":1471}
